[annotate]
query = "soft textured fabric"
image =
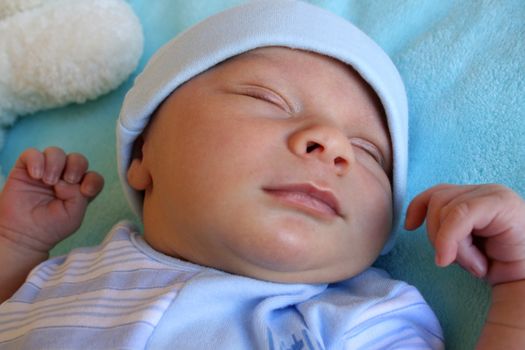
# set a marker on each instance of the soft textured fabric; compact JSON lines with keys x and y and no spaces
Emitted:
{"x":124,"y":294}
{"x":51,"y":54}
{"x":264,"y":23}
{"x":463,"y":65}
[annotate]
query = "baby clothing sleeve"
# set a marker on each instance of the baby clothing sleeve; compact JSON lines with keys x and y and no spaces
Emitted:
{"x":106,"y":297}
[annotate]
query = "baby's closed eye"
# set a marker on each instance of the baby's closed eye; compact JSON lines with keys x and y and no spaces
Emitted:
{"x":267,"y":95}
{"x":369,"y":148}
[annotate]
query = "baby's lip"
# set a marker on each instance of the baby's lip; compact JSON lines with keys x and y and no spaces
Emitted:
{"x":311,"y":197}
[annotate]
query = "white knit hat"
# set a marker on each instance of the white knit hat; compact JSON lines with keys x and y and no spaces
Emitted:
{"x":256,"y":24}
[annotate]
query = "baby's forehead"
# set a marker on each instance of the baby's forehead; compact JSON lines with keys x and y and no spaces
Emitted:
{"x":263,"y":57}
{"x":273,"y":56}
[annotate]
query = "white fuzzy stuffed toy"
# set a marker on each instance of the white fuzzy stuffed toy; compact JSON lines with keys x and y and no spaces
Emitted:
{"x":56,"y":52}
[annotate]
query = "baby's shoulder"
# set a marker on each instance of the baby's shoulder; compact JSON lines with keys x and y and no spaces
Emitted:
{"x":373,"y":283}
{"x":124,"y":230}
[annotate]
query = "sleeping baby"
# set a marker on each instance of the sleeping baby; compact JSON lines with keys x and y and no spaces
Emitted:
{"x":265,"y":150}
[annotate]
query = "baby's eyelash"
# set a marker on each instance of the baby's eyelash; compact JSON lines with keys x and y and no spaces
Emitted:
{"x":268,"y":95}
{"x":369,"y":148}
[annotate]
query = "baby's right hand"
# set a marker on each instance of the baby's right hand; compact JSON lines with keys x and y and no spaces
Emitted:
{"x":45,"y":197}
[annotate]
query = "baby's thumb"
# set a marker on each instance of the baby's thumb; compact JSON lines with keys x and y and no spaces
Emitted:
{"x":69,"y":194}
{"x":73,"y":201}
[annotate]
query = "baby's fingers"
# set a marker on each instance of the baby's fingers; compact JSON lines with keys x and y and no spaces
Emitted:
{"x":31,"y":161}
{"x":55,"y":160}
{"x":91,"y":185}
{"x":428,"y":204}
{"x":471,"y":258}
{"x":459,"y":221}
{"x":76,"y":167}
{"x":53,"y":165}
{"x":75,"y":197}
{"x":418,"y":207}
{"x":46,"y":166}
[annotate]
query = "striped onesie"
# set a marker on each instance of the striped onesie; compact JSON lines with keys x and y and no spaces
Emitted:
{"x":125,"y":295}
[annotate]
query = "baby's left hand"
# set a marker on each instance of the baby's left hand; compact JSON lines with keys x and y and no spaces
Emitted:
{"x":481,"y":227}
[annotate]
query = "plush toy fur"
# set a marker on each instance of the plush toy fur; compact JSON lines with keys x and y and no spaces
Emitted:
{"x":11,"y":7}
{"x":55,"y":52}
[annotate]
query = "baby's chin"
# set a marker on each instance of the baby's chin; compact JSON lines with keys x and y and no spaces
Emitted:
{"x":292,"y":272}
{"x":301,"y":277}
{"x":293,"y":261}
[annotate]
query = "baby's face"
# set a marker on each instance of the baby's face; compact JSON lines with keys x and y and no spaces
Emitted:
{"x":274,"y":165}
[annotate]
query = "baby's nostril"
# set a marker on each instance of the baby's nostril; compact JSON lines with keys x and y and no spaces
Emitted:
{"x":312,"y":146}
{"x":339,"y":161}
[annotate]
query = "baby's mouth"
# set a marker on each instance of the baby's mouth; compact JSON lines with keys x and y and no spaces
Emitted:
{"x":308,"y":198}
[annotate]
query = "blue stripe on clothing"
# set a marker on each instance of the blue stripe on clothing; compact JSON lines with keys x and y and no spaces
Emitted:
{"x":86,"y":260}
{"x":53,"y":310}
{"x":124,"y":280}
{"x":84,"y":271}
{"x":133,"y":336}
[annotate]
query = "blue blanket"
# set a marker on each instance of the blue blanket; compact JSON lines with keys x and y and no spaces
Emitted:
{"x":463,"y":63}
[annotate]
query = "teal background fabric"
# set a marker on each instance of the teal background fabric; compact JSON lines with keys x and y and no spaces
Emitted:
{"x":463,"y":63}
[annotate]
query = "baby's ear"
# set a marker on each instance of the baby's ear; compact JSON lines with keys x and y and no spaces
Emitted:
{"x":139,"y":177}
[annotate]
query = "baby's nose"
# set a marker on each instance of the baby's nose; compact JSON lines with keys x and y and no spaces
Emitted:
{"x":325,"y":143}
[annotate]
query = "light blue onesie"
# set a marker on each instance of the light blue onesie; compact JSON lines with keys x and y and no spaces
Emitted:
{"x":124,"y":294}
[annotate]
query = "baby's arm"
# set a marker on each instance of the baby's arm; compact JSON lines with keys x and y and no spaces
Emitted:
{"x":43,"y":201}
{"x":482,"y":228}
